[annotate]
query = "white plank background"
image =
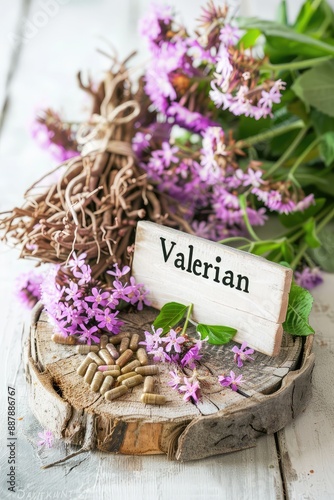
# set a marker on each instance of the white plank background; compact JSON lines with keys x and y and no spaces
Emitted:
{"x":42,"y":72}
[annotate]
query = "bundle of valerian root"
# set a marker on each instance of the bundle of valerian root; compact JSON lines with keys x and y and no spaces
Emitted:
{"x":99,"y":195}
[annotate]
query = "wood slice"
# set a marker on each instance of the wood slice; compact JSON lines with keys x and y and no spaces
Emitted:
{"x":275,"y":391}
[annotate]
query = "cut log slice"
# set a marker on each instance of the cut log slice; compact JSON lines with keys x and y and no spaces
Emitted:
{"x":275,"y":390}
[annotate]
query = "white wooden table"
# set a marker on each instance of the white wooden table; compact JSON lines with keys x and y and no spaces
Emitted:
{"x":40,"y":54}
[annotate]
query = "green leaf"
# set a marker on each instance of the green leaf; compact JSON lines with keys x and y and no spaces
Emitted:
{"x":282,"y":13}
{"x":299,"y":308}
{"x":327,"y":148}
{"x":296,"y":218}
{"x":311,"y":237}
{"x":170,"y":314}
{"x":286,"y":40}
{"x":249,"y":39}
{"x":323,"y":126}
{"x":315,"y":87}
{"x":217,"y":335}
{"x":262,"y":247}
{"x":324,"y":255}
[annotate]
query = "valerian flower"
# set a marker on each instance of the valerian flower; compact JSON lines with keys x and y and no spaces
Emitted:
{"x":191,"y":389}
{"x":46,"y":439}
{"x":230,"y":381}
{"x":242,"y":354}
{"x":308,"y":278}
{"x":173,"y":341}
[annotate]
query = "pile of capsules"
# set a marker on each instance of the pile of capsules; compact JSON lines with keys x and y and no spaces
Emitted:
{"x":118,"y":364}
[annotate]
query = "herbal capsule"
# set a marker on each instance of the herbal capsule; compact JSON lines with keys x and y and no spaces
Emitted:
{"x":107,"y":384}
{"x":147,"y":370}
{"x":83,"y":366}
{"x":90,"y":372}
{"x":120,"y":378}
{"x":97,"y":381}
{"x":148,"y":384}
{"x":152,"y":399}
{"x":112,"y":373}
{"x":116,"y":393}
{"x":124,"y":345}
{"x":104,"y":339}
{"x":104,"y":354}
{"x":85,"y":349}
{"x":124,"y":358}
{"x":116,"y":339}
{"x":134,"y":342}
{"x":94,"y":357}
{"x":61,"y":339}
{"x":112,"y":351}
{"x":130,"y":366}
{"x":105,"y":368}
{"x":133,"y":381}
{"x":142,"y":356}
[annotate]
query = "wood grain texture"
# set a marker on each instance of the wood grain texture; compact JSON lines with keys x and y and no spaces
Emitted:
{"x":64,"y":403}
{"x":307,"y":444}
{"x":165,"y":261}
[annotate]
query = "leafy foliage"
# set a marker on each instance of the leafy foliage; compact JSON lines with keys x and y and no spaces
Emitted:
{"x":299,"y":308}
{"x":170,"y":315}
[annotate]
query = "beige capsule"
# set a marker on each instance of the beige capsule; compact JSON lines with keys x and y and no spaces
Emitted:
{"x":148,"y":384}
{"x":112,"y":373}
{"x":133,"y":381}
{"x":120,"y":378}
{"x":97,"y":381}
{"x":85,"y":349}
{"x":104,"y":354}
{"x":115,"y":393}
{"x":90,"y":373}
{"x":81,"y":370}
{"x":142,"y":356}
{"x":124,"y":358}
{"x":60,"y":339}
{"x":116,"y":339}
{"x":134,"y":341}
{"x":130,"y":366}
{"x":107,"y":384}
{"x":153,"y":399}
{"x":94,"y":357}
{"x":112,"y":351}
{"x":124,"y":345}
{"x":104,"y":339}
{"x":147,"y":370}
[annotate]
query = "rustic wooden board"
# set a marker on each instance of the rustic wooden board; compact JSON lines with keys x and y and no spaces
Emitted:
{"x":225,"y":285}
{"x":63,"y":403}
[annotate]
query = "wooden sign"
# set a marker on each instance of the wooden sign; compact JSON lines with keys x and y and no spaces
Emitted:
{"x":226,"y":286}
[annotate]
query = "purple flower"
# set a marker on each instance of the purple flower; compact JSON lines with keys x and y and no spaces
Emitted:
{"x":98,"y":298}
{"x":140,"y":142}
{"x":305,"y":203}
{"x":108,"y":320}
{"x":242,"y":354}
{"x":229,"y":35}
{"x":118,"y":273}
{"x":46,"y":439}
{"x":308,"y":278}
{"x":28,"y":286}
{"x":77,"y":261}
{"x":173,"y":341}
{"x":152,"y":341}
{"x":190,"y":357}
{"x":230,"y":380}
{"x":166,"y":154}
{"x":84,"y":274}
{"x":191,"y":120}
{"x":87,"y":334}
{"x":175,"y":379}
{"x":159,"y":355}
{"x":120,"y":291}
{"x":191,"y":390}
{"x":73,"y":292}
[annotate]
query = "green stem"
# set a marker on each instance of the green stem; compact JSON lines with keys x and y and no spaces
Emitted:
{"x":325,"y":220}
{"x":288,"y":152}
{"x":299,"y":255}
{"x":185,"y":326}
{"x":234,"y":238}
{"x":308,"y":15}
{"x":302,"y":157}
{"x":270,"y":134}
{"x":306,"y":63}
